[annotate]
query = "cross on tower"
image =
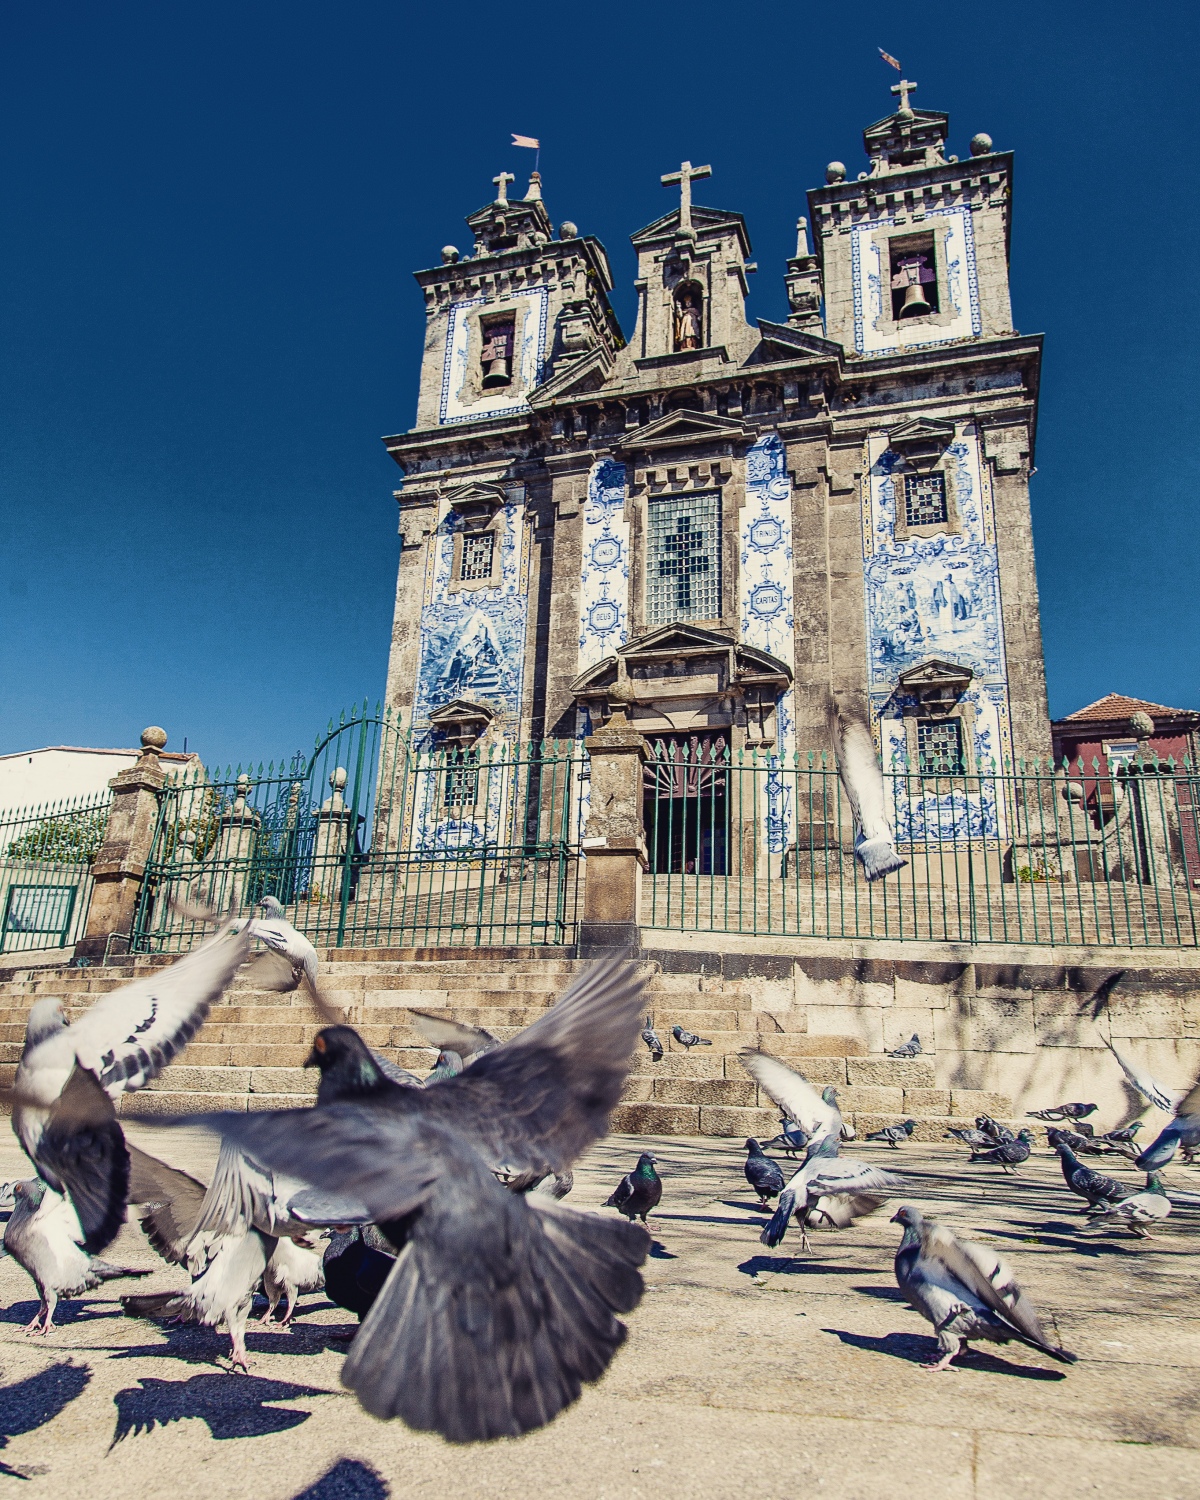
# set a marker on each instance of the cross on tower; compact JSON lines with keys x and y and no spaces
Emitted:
{"x":684,"y":177}
{"x":686,"y":560}
{"x":904,"y":88}
{"x":502,"y":183}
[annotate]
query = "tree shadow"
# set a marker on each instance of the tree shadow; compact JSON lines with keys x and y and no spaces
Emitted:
{"x":915,"y":1349}
{"x":347,"y":1480}
{"x":29,"y":1404}
{"x":231,"y":1405}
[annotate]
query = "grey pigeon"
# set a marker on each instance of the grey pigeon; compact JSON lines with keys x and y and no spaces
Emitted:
{"x":816,"y":1114}
{"x":862,"y":778}
{"x":502,"y":1304}
{"x":911,"y":1048}
{"x":448,"y":1065}
{"x":829,"y":1192}
{"x":1056,"y":1137}
{"x":1150,"y":1206}
{"x":69,"y":1076}
{"x":1008,"y":1154}
{"x":764,"y":1175}
{"x":652,"y":1040}
{"x":976,"y":1139}
{"x":464,"y":1041}
{"x":894,"y":1134}
{"x":1063,"y":1112}
{"x":1083,"y":1181}
{"x":1183,"y":1131}
{"x":278,"y":936}
{"x":1122,"y":1136}
{"x":791,"y":1138}
{"x":639,"y":1192}
{"x":689,"y":1039}
{"x":993,"y":1128}
{"x":965,"y":1291}
{"x":846,"y":1131}
{"x":43,"y":1236}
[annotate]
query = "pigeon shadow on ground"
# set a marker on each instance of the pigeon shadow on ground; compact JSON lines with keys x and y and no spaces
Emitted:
{"x":759,"y":1265}
{"x":918,"y":1350}
{"x":711,"y":1219}
{"x":196,"y":1345}
{"x":882,"y":1293}
{"x":29,"y":1404}
{"x":658,"y":1251}
{"x":347,"y":1480}
{"x":748,"y":1208}
{"x":764,"y":1265}
{"x":1067,"y":1237}
{"x":68,"y":1311}
{"x":233,"y":1406}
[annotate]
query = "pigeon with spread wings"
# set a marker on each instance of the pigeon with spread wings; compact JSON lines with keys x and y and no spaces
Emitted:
{"x":858,"y":767}
{"x":500,"y":1305}
{"x":1183,"y":1132}
{"x":69,"y":1076}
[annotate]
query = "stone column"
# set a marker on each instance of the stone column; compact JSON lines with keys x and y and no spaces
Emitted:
{"x":614,"y":841}
{"x":235,"y":847}
{"x":120,"y":866}
{"x":335,"y":830}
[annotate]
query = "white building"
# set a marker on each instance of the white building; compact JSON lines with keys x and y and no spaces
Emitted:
{"x":32,"y":778}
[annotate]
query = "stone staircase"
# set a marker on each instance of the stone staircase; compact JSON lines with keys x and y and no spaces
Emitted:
{"x":250,"y":1053}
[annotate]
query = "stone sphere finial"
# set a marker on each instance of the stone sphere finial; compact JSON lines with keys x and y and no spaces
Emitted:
{"x":153,"y":738}
{"x":243,"y":784}
{"x":1142,"y":724}
{"x":567,"y":230}
{"x":449,"y":254}
{"x":338,"y":779}
{"x":835,"y":172}
{"x":981,"y":144}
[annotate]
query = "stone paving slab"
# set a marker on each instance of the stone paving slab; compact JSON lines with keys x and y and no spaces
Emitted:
{"x":747,"y":1373}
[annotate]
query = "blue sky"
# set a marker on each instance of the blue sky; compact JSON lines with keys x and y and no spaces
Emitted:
{"x":207,"y":317}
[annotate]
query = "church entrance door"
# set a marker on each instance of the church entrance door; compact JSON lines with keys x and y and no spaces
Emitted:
{"x":685,"y":804}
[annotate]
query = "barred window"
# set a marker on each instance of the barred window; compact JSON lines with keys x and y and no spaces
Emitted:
{"x":925,"y":499}
{"x":477,"y":550}
{"x":461,"y":784}
{"x":940,"y":747}
{"x":683,"y":571}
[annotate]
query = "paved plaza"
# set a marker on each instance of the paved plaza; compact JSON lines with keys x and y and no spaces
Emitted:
{"x":746,"y":1373}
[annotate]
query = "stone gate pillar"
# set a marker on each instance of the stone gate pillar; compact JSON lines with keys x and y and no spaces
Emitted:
{"x":236,"y":843}
{"x":120,"y":866}
{"x":614,"y":841}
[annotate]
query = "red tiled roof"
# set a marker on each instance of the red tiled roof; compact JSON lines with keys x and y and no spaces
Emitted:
{"x":1116,"y":706}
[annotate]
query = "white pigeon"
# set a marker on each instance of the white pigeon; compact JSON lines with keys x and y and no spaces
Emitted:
{"x":875,"y":842}
{"x":830,"y":1192}
{"x":276,"y":933}
{"x":295,"y":1266}
{"x":1150,"y":1206}
{"x":68,"y":1076}
{"x":800,"y":1102}
{"x":1143,"y":1083}
{"x":43,"y":1236}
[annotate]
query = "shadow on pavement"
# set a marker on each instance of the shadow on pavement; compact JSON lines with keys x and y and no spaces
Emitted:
{"x":347,"y":1480}
{"x":914,"y":1348}
{"x":197,"y":1345}
{"x":29,"y":1404}
{"x":232,"y":1405}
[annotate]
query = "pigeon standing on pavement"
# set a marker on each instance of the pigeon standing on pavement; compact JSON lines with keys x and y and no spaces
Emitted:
{"x":1150,"y":1206}
{"x":965,"y":1291}
{"x":894,"y":1134}
{"x":295,"y":1266}
{"x":764,"y":1175}
{"x":69,"y":1076}
{"x":1183,"y":1131}
{"x":1063,"y":1112}
{"x":1085,"y":1183}
{"x":911,"y":1048}
{"x":1008,"y":1154}
{"x":652,"y":1040}
{"x":858,"y":767}
{"x":43,"y":1236}
{"x":791,"y":1138}
{"x":639,"y":1192}
{"x":689,"y":1039}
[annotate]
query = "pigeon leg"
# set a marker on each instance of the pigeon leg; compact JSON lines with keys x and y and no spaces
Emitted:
{"x":41,"y":1318}
{"x":947,"y":1356}
{"x":239,"y":1359}
{"x":289,"y":1309}
{"x":272,"y":1304}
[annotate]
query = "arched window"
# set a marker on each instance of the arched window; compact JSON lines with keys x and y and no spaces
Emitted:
{"x":689,"y":315}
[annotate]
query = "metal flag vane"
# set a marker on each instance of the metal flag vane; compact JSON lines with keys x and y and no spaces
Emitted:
{"x":904,"y":87}
{"x":531,"y":144}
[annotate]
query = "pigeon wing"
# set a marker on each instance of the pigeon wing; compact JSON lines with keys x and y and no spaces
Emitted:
{"x":452,"y":1036}
{"x":82,"y":1148}
{"x":1149,"y":1088}
{"x":840,"y":1176}
{"x":794,"y":1094}
{"x":129,"y":1036}
{"x":173,"y":1200}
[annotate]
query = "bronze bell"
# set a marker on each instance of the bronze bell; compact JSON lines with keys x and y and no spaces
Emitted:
{"x":497,"y":364}
{"x":913,"y":275}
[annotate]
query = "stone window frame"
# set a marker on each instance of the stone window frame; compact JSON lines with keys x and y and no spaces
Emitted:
{"x":459,"y":584}
{"x":885,"y":324}
{"x":965,"y":713}
{"x":640,"y":540}
{"x":917,"y":467}
{"x":478,"y":319}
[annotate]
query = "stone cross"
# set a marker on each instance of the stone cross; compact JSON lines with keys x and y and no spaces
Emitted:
{"x":684,"y":177}
{"x":502,"y":183}
{"x":904,"y":88}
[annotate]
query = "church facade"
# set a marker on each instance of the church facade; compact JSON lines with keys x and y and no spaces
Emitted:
{"x":716,"y":523}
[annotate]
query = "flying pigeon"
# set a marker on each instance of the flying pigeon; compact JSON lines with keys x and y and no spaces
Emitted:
{"x":791,"y":1139}
{"x":1008,"y":1154}
{"x":69,"y":1076}
{"x":43,"y":1236}
{"x":357,"y":1263}
{"x":689,"y":1039}
{"x":278,"y":935}
{"x":464,"y":1041}
{"x":1150,"y":1089}
{"x":1093,"y":1186}
{"x":502,"y":1304}
{"x":639,"y":1192}
{"x":817,"y":1115}
{"x":830,"y":1192}
{"x":764,"y":1175}
{"x":1183,"y":1131}
{"x":295,"y":1266}
{"x":894,"y":1134}
{"x":911,"y":1048}
{"x":1150,"y":1206}
{"x":875,"y":843}
{"x":652,"y":1040}
{"x":965,"y":1291}
{"x":1063,"y":1112}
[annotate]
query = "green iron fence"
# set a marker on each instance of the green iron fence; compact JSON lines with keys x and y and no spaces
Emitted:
{"x":46,"y":857}
{"x":376,"y":839}
{"x":751,"y":843}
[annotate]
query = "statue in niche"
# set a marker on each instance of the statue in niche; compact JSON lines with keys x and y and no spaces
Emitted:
{"x":689,"y":319}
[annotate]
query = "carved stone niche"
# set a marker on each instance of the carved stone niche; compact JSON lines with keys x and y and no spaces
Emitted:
{"x":923,"y":445}
{"x":461,"y":723}
{"x":680,"y":678}
{"x":938,"y":687}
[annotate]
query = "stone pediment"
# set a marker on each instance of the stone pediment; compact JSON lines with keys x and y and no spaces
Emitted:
{"x":582,"y":377}
{"x":680,"y":428}
{"x":780,"y":342}
{"x":462,"y":720}
{"x":936,"y":681}
{"x":702,"y":219}
{"x":922,"y":435}
{"x":477,"y":499}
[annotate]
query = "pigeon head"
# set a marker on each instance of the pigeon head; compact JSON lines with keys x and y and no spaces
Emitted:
{"x":829,"y":1094}
{"x":271,"y":906}
{"x":646,"y":1161}
{"x":1025,"y":1135}
{"x":909,"y":1125}
{"x":753,"y":1147}
{"x":909,"y":1216}
{"x":31,"y":1192}
{"x":347,"y":1067}
{"x":45,"y":1020}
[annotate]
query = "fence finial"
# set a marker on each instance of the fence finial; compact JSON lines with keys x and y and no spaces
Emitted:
{"x":154,"y":739}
